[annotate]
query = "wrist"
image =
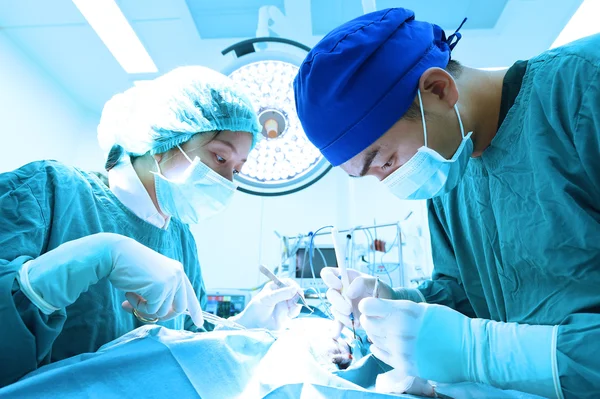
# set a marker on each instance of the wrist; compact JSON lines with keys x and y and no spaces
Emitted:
{"x":28,"y":290}
{"x":514,"y":356}
{"x":408,"y":294}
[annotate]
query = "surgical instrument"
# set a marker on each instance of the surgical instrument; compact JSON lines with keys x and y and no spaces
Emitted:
{"x":208,"y":317}
{"x":341,"y":261}
{"x":376,"y":288}
{"x":280,"y":284}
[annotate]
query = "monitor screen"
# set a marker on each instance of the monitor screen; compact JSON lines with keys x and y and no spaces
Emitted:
{"x":303,"y":262}
{"x":225,"y":305}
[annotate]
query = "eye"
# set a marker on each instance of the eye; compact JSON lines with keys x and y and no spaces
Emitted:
{"x":387,"y":165}
{"x":220,"y":159}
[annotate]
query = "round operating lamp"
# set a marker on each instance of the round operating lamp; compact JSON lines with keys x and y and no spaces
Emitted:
{"x":283,"y":161}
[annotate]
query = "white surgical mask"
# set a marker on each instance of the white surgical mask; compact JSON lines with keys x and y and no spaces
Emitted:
{"x":428,"y":174}
{"x":197,"y":195}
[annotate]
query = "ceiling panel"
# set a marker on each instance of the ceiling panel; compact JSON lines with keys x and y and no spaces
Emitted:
{"x":481,"y":14}
{"x":228,"y":18}
{"x":183,"y":32}
{"x":327,"y":14}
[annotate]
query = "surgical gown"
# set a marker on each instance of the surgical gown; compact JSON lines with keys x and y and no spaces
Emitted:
{"x":45,"y":204}
{"x":519,"y":239}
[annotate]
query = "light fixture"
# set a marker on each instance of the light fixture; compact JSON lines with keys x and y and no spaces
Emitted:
{"x":583,"y":23}
{"x":283,"y":161}
{"x":106,"y":18}
{"x":493,"y":68}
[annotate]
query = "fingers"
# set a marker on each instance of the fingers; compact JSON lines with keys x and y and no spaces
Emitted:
{"x":148,"y":307}
{"x":329,"y":275}
{"x":397,"y":381}
{"x":294,"y":311}
{"x":279,"y":295}
{"x":180,"y":300}
{"x":338,"y":302}
{"x":167,"y":305}
{"x":342,"y":318}
{"x":336,"y":330}
{"x":419,"y":386}
{"x":382,"y":355}
{"x":127,"y":307}
{"x":361,"y":286}
{"x":134,"y":300}
{"x":374,"y":307}
{"x":193,"y":305}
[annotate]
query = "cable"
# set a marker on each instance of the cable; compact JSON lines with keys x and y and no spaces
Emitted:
{"x":325,"y":306}
{"x":310,"y":258}
{"x":311,"y":244}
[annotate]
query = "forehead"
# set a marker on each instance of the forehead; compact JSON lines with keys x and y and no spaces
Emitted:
{"x":237,"y":139}
{"x":391,"y":140}
{"x":355,"y":165}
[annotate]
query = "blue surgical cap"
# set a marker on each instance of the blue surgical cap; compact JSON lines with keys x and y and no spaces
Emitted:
{"x":363,"y":76}
{"x":157,"y":115}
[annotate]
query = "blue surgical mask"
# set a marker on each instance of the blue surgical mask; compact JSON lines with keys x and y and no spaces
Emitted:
{"x":428,"y":174}
{"x":198,"y":194}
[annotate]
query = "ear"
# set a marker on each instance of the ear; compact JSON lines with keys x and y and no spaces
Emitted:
{"x":158,"y":157}
{"x":439,"y":83}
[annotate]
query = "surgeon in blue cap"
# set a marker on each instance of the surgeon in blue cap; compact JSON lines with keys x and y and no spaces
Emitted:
{"x":75,"y":253}
{"x":509,"y":163}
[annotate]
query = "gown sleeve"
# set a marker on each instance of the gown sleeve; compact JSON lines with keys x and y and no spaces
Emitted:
{"x":576,"y":93}
{"x":27,"y":333}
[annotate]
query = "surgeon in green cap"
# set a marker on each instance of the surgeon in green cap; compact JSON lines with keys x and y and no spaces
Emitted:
{"x":82,"y":263}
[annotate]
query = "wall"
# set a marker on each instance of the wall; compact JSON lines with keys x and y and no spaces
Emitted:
{"x":38,"y":119}
{"x":234,"y":243}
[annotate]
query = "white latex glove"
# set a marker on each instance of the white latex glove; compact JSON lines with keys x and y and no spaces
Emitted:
{"x":153,"y":283}
{"x":397,"y":383}
{"x":361,"y":286}
{"x":272,"y":307}
{"x":440,"y":344}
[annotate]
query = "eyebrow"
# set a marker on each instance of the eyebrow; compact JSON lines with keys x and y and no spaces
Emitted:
{"x":228,"y":144}
{"x":368,"y":161}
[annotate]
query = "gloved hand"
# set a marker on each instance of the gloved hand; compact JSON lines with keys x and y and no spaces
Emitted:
{"x":272,"y":307}
{"x":437,"y":343}
{"x":361,"y":286}
{"x":397,"y":383}
{"x":153,"y":283}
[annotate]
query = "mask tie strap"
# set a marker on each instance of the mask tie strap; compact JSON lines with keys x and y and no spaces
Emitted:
{"x":422,"y":117}
{"x":184,"y":154}
{"x":462,"y":130}
{"x":157,"y":166}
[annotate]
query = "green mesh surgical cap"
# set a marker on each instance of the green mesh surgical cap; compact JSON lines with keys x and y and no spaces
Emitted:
{"x":157,"y":115}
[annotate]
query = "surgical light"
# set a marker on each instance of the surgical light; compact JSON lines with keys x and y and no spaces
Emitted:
{"x":283,"y":161}
{"x":106,"y":18}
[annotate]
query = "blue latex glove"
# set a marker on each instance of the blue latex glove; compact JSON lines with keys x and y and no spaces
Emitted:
{"x":437,"y":343}
{"x":153,"y":284}
{"x":272,"y":307}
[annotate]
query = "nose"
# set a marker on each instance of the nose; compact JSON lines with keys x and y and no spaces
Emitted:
{"x":226,"y":172}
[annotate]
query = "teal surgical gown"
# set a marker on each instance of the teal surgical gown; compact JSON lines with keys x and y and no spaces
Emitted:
{"x":45,"y":204}
{"x":519,"y":239}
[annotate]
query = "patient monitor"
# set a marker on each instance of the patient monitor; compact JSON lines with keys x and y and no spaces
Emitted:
{"x":322,"y":256}
{"x":226,"y":302}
